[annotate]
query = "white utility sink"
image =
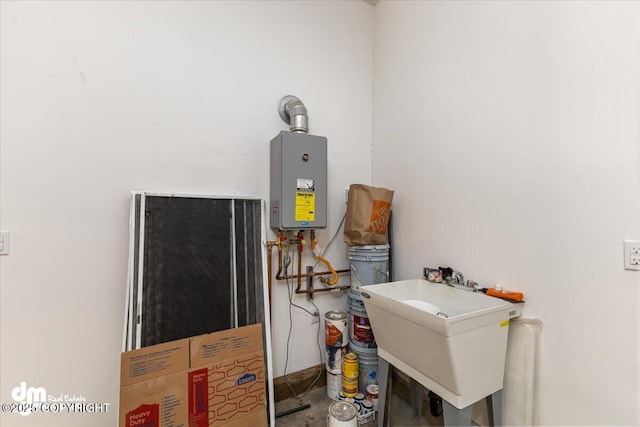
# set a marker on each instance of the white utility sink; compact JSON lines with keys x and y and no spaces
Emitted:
{"x":452,"y":341}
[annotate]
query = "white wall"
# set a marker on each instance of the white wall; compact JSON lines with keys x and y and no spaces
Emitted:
{"x":511,"y":132}
{"x":101,"y":98}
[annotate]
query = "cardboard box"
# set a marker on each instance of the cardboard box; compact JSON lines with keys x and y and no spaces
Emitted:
{"x":216,"y":379}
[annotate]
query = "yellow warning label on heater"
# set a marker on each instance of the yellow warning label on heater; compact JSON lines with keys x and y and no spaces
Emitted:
{"x":305,"y":206}
{"x":504,"y":323}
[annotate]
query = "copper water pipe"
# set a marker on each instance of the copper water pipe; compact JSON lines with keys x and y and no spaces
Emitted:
{"x":279,"y":243}
{"x":314,"y":274}
{"x":270,"y":245}
{"x":333,"y":288}
{"x":299,"y":275}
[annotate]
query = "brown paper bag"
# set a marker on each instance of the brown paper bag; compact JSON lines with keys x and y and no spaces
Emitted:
{"x":368,"y":210}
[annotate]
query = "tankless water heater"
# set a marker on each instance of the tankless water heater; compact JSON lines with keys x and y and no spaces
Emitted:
{"x":298,"y":181}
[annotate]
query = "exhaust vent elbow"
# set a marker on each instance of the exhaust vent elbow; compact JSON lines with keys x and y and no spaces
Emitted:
{"x":294,"y":113}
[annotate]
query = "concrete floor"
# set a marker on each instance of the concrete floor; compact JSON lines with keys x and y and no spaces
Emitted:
{"x":316,"y":416}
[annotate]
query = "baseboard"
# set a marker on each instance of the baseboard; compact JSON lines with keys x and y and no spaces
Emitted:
{"x":299,"y":381}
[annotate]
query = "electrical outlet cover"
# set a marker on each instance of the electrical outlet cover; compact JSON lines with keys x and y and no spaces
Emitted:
{"x":632,"y":255}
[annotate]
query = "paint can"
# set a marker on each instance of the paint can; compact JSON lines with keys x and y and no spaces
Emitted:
{"x":366,"y":407}
{"x":349,"y":386}
{"x":350,"y":365}
{"x":350,"y":374}
{"x":334,"y":385}
{"x":372,"y":395}
{"x":367,"y":365}
{"x":359,"y":327}
{"x":336,"y":337}
{"x":334,"y":358}
{"x":342,"y":414}
{"x":369,"y":265}
{"x":335,"y":326}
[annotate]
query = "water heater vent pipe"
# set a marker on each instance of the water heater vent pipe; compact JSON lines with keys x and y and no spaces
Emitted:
{"x":294,"y":113}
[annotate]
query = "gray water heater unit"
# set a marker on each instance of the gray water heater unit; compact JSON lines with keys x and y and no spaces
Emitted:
{"x":298,"y":181}
{"x":298,"y":173}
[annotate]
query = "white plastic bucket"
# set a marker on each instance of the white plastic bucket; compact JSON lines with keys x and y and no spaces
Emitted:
{"x":342,"y":414}
{"x":369,"y":265}
{"x":368,"y":367}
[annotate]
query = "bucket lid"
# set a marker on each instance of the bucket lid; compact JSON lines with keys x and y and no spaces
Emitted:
{"x":350,"y":356}
{"x":335,"y":315}
{"x":369,"y":248}
{"x":343,"y":411}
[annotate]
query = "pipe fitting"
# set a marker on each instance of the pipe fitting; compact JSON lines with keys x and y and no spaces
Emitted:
{"x":294,"y":113}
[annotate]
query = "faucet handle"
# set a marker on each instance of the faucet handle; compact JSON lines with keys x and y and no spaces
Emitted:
{"x":473,"y":285}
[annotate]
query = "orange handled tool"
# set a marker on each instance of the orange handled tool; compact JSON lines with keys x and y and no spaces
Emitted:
{"x":510,"y":296}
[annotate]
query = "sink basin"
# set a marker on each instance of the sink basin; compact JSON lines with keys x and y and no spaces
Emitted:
{"x":452,"y":341}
